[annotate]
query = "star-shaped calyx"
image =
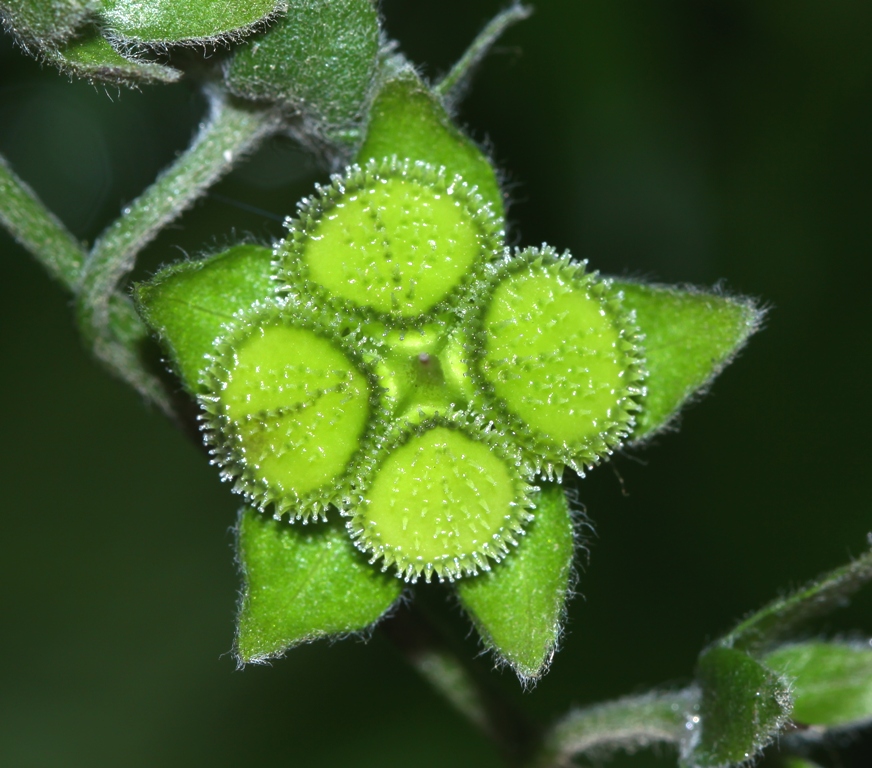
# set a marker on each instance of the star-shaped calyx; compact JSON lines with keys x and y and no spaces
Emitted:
{"x":392,"y":360}
{"x":416,"y":375}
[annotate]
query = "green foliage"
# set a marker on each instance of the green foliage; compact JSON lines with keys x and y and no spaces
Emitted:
{"x":690,"y":335}
{"x":92,"y":57}
{"x":181,"y":21}
{"x":518,"y":607}
{"x":320,"y":59}
{"x":302,"y":583}
{"x":831,"y":682}
{"x":45,"y":22}
{"x":742,"y":708}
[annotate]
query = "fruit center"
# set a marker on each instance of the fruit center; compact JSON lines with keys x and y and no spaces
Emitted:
{"x":424,"y":373}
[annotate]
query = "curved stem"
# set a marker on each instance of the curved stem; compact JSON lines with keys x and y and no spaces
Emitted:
{"x":450,"y":89}
{"x":108,"y":320}
{"x":38,"y":229}
{"x":627,"y":724}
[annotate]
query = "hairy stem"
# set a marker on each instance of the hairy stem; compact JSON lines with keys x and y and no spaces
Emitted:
{"x":38,"y":229}
{"x":427,"y":649}
{"x":107,"y":319}
{"x":450,"y":89}
{"x":627,"y":725}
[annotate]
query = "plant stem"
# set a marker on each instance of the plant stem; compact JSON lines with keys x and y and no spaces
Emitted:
{"x":450,"y":89}
{"x":38,"y":229}
{"x":107,"y":320}
{"x":626,"y":724}
{"x":428,"y":650}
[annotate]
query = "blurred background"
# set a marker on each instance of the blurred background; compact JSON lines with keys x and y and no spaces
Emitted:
{"x":701,"y":142}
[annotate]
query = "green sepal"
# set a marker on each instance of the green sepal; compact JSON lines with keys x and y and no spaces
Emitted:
{"x":94,"y":59}
{"x":777,"y":620}
{"x":302,"y":583}
{"x":164,"y":22}
{"x":690,"y":335}
{"x":517,"y":607}
{"x":743,"y":706}
{"x":44,"y":23}
{"x":832,"y":682}
{"x":408,"y":121}
{"x":320,"y":59}
{"x":187,"y":303}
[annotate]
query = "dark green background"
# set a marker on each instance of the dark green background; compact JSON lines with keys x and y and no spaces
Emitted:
{"x":683,"y":141}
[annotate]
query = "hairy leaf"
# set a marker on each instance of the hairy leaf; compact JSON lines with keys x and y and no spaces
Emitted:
{"x":181,"y":21}
{"x":832,"y":682}
{"x":742,"y":708}
{"x":408,"y":121}
{"x":320,"y":59}
{"x":45,"y":23}
{"x":187,"y":303}
{"x":303,"y":583}
{"x":517,"y":607}
{"x":690,"y":336}
{"x":94,"y":59}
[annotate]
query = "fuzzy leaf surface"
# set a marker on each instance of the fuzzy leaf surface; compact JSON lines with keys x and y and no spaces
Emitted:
{"x":778,"y":619}
{"x":179,"y":21}
{"x":187,"y":303}
{"x":742,"y":708}
{"x":303,"y":583}
{"x":517,"y":607}
{"x":408,"y":121}
{"x":689,"y":337}
{"x":44,"y":23}
{"x":94,"y":59}
{"x":832,"y":682}
{"x":320,"y":58}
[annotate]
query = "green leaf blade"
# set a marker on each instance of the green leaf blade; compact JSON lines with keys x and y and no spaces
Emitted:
{"x":303,"y":583}
{"x":408,"y":121}
{"x":690,"y":336}
{"x":742,"y":708}
{"x":44,"y":24}
{"x":94,"y":59}
{"x":164,"y":22}
{"x":832,"y":682}
{"x":187,"y":303}
{"x":518,"y":606}
{"x":320,"y":59}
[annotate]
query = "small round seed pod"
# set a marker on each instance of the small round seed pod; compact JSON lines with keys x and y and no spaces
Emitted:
{"x":392,"y":240}
{"x":557,"y":359}
{"x":289,"y":404}
{"x":445,"y":496}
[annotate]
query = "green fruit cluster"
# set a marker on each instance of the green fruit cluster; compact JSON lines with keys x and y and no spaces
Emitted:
{"x":415,"y":374}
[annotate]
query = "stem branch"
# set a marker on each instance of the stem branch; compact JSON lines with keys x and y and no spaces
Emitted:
{"x":108,"y":320}
{"x":38,"y":229}
{"x":627,"y":724}
{"x":451,"y":87}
